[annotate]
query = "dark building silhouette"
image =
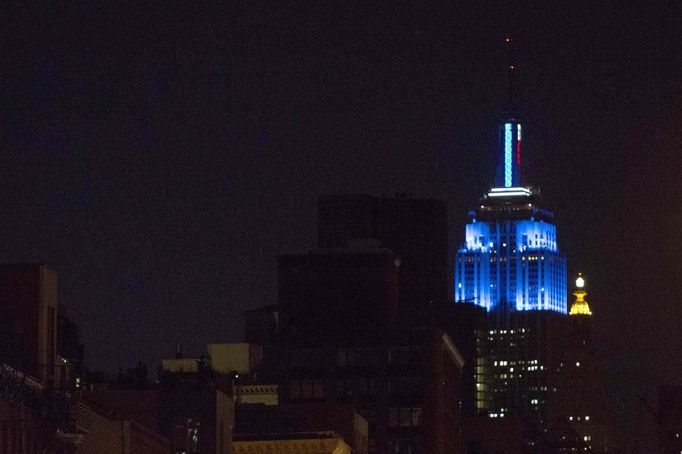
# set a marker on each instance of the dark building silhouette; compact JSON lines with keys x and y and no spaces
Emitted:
{"x":408,"y":388}
{"x":669,"y":419}
{"x":414,"y":229}
{"x":196,"y":411}
{"x":340,"y":341}
{"x":262,"y":325}
{"x":42,"y":408}
{"x":467,"y":325}
{"x":70,"y":349}
{"x":30,"y":414}
{"x":28,"y":319}
{"x":328,"y":296}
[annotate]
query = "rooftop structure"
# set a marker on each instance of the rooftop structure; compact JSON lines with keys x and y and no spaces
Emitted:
{"x":580,"y":306}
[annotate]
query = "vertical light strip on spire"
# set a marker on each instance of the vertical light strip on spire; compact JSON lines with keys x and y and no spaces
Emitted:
{"x":518,"y":150}
{"x":507,"y":155}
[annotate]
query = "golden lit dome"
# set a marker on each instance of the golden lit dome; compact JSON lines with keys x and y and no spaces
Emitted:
{"x":580,"y":306}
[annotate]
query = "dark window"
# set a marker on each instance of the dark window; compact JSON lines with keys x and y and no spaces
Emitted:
{"x":306,"y":389}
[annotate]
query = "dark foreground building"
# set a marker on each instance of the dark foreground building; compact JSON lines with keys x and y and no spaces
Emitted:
{"x":340,"y":341}
{"x":42,"y":407}
{"x":28,"y":320}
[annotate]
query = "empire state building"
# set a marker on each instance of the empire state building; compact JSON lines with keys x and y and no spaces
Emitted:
{"x":510,"y":264}
{"x":510,"y":260}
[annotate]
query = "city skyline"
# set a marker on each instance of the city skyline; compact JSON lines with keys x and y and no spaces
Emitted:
{"x":161,"y":164}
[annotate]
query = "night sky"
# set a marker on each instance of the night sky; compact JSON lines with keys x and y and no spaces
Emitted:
{"x":160,"y":158}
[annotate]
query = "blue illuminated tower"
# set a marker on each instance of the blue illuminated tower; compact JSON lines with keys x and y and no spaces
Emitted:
{"x":510,"y":265}
{"x":510,"y":260}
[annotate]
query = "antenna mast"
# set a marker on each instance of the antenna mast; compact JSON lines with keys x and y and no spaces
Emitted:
{"x":511,"y":72}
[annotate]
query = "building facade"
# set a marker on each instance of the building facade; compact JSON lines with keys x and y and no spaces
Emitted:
{"x":581,"y":400}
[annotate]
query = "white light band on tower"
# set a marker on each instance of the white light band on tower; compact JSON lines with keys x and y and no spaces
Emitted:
{"x":507,"y":155}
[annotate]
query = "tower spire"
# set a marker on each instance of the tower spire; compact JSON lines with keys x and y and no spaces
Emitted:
{"x":509,"y":167}
{"x":511,"y":72}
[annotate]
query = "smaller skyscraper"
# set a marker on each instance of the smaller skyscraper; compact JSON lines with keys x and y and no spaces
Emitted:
{"x":580,"y":399}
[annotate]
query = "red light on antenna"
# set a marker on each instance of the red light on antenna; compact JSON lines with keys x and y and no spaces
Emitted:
{"x":511,"y":67}
{"x":507,"y":40}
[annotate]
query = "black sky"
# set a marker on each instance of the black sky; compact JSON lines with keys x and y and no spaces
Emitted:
{"x":161,"y":157}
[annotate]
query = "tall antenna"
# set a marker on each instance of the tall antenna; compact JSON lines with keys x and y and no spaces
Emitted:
{"x":511,"y":71}
{"x":509,"y":168}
